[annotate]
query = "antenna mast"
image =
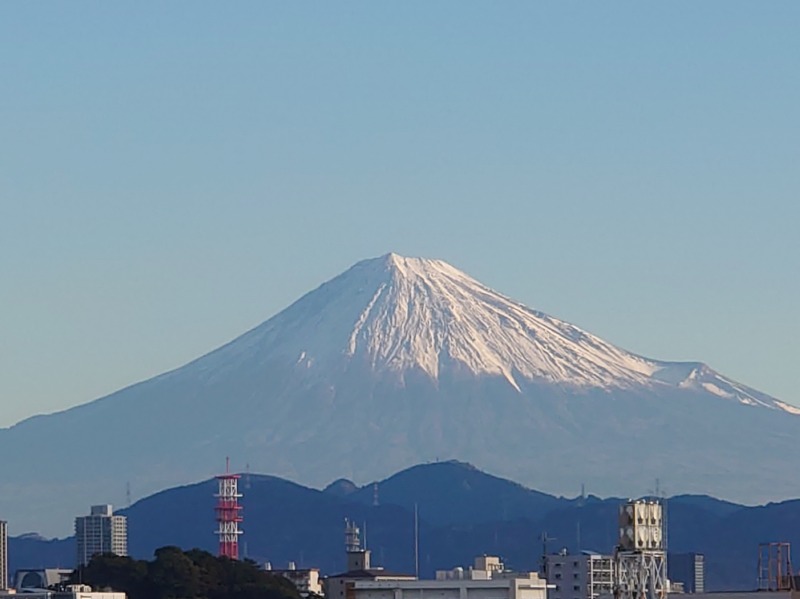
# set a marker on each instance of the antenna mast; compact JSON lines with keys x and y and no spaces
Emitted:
{"x":416,"y":541}
{"x":545,"y":539}
{"x":352,"y":537}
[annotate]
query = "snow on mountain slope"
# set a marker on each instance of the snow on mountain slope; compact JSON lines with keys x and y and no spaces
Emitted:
{"x":400,"y":361}
{"x":400,"y":314}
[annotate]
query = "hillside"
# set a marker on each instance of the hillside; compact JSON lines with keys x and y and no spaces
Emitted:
{"x":285,"y":521}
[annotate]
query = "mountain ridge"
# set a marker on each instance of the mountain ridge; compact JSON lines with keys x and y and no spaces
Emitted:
{"x":463,"y":512}
{"x":399,"y":361}
{"x":632,"y":368}
{"x":394,"y":290}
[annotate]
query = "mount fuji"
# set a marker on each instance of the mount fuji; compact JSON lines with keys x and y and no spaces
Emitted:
{"x":400,"y":361}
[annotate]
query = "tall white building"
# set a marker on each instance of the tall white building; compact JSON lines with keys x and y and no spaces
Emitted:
{"x":586,"y":575}
{"x":100,"y":532}
{"x":689,"y":569}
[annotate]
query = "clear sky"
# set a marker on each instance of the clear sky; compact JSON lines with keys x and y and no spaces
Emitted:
{"x":174,"y":173}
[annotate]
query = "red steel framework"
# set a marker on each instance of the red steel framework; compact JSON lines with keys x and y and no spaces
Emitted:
{"x":229,"y":513}
{"x":775,"y":567}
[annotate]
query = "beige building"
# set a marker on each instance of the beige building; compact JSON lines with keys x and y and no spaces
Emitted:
{"x":359,"y":569}
{"x":306,"y":580}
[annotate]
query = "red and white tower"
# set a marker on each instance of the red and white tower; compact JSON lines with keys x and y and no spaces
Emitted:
{"x":229,"y":513}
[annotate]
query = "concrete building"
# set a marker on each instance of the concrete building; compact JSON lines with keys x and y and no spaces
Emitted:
{"x":306,"y":580}
{"x":487,"y":579}
{"x":40,"y":578}
{"x":359,"y":569}
{"x":586,"y":575}
{"x":100,"y":532}
{"x":689,"y":569}
{"x":3,"y":554}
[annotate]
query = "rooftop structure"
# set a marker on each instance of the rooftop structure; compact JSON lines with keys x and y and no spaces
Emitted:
{"x":358,"y":557}
{"x":640,"y":559}
{"x":359,"y":567}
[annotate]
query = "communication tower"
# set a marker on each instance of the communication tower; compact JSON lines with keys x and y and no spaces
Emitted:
{"x":640,"y":560}
{"x":358,"y":557}
{"x":545,"y":538}
{"x":229,"y":513}
{"x":352,"y":537}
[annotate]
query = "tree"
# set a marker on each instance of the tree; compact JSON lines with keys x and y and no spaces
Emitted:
{"x":177,"y":574}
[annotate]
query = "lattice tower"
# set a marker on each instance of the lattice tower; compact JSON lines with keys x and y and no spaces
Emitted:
{"x":229,"y":513}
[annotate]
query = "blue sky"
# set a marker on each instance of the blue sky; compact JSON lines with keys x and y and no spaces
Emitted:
{"x":172,"y":174}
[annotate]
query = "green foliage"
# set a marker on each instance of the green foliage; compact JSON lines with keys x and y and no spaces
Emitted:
{"x":177,"y":574}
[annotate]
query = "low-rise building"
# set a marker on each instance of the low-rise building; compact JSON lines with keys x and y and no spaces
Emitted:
{"x":40,"y":578}
{"x":486,"y":579}
{"x":78,"y":591}
{"x":306,"y":580}
{"x":359,"y":569}
{"x":586,"y":575}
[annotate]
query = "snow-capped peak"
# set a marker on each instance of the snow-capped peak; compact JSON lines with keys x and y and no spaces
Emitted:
{"x":399,"y":314}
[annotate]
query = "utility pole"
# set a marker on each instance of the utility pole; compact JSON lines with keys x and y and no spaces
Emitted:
{"x":416,"y":541}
